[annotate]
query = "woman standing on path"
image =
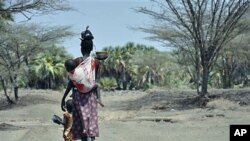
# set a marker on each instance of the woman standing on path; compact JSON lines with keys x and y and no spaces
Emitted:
{"x":85,"y":120}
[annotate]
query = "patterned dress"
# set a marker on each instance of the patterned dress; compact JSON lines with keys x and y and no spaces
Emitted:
{"x":85,"y":120}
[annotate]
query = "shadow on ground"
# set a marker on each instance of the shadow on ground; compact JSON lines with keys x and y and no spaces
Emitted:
{"x":27,"y":99}
{"x":184,"y":100}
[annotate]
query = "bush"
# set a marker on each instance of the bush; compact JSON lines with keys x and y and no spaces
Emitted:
{"x":107,"y":84}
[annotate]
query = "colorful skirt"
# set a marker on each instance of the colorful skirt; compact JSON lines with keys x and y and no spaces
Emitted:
{"x":85,"y":120}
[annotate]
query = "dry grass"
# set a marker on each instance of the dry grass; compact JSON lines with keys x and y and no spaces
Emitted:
{"x":222,"y":104}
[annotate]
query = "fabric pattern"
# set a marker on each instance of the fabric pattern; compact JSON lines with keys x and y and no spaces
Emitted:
{"x":83,"y":76}
{"x":85,"y":120}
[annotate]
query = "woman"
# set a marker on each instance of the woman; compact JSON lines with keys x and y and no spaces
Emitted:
{"x":85,"y":120}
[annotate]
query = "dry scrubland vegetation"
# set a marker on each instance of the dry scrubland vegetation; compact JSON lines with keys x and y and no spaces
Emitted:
{"x":210,"y":52}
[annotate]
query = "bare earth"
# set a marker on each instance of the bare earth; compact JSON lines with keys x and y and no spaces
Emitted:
{"x":153,"y":115}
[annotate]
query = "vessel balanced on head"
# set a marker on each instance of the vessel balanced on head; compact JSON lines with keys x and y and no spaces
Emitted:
{"x":87,"y":37}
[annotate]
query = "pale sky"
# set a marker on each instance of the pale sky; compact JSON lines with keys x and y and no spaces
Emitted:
{"x":109,"y":21}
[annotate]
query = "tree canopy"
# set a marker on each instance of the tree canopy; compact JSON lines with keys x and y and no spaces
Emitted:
{"x":205,"y":26}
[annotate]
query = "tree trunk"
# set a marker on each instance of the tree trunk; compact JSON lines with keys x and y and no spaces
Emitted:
{"x":124,"y":79}
{"x":16,"y":93}
{"x":197,"y":81}
{"x":50,"y":81}
{"x":227,"y":78}
{"x":15,"y":87}
{"x":197,"y":69}
{"x":117,"y":79}
{"x":204,"y":81}
{"x":203,"y":99}
{"x":5,"y":91}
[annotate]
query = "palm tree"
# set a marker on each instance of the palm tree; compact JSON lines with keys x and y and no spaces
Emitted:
{"x":115,"y":64}
{"x":49,"y":68}
{"x":134,"y":65}
{"x":139,"y":66}
{"x":118,"y":63}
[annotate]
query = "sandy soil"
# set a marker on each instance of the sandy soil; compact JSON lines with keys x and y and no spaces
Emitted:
{"x":153,"y":115}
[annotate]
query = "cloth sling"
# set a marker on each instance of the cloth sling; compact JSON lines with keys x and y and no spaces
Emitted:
{"x":83,"y":76}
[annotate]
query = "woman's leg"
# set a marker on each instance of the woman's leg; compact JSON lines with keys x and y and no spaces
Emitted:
{"x":85,"y":138}
{"x":91,"y":139}
{"x":88,"y":138}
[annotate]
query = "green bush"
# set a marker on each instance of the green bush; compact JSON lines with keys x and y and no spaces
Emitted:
{"x":107,"y":84}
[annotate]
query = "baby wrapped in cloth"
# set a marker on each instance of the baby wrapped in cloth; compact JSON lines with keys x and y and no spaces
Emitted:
{"x":83,"y":76}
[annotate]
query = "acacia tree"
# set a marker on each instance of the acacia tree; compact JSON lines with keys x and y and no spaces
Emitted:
{"x":204,"y":25}
{"x":17,"y":48}
{"x":19,"y":44}
{"x":30,"y":8}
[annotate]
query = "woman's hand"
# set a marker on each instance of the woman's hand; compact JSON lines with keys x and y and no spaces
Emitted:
{"x":63,"y":104}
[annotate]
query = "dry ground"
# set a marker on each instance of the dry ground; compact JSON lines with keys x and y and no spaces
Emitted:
{"x":153,"y":115}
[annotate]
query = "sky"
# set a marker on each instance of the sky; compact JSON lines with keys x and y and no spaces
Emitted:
{"x":110,"y":21}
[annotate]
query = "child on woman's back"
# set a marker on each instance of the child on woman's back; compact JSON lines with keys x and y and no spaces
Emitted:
{"x":70,"y":66}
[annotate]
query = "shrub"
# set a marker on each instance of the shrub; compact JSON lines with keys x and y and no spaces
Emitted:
{"x":107,"y":84}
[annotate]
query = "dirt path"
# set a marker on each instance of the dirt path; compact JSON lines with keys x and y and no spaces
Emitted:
{"x":127,"y":116}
